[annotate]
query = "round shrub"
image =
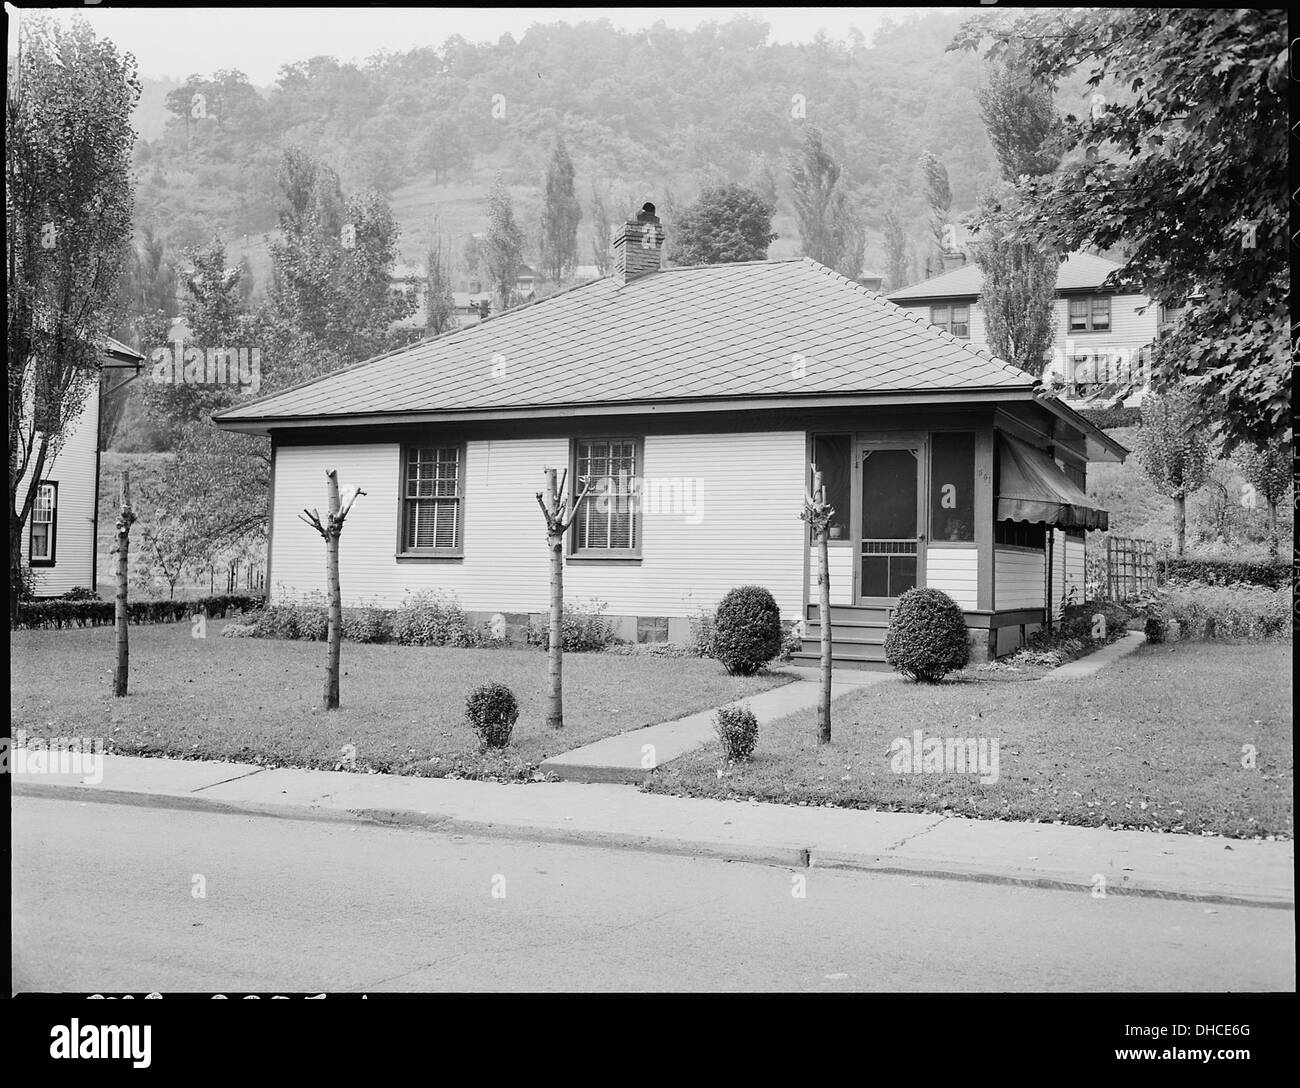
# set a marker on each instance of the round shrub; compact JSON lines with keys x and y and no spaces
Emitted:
{"x":737,"y":728}
{"x":492,"y":711}
{"x":1156,"y":628}
{"x":927,"y":636}
{"x":747,"y":630}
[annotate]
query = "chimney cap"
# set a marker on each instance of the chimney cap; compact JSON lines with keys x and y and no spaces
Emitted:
{"x":647,"y":214}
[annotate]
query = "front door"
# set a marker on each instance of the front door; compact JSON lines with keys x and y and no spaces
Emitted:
{"x":888,"y":552}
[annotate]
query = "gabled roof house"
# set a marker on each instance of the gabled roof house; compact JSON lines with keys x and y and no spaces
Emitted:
{"x":698,"y":399}
{"x":59,"y":539}
{"x":1105,"y":328}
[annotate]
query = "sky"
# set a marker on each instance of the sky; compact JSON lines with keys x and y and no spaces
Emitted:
{"x":257,"y":41}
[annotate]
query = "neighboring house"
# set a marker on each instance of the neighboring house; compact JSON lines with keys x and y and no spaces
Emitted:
{"x":1104,"y":334}
{"x":695,"y":399}
{"x":59,"y":538}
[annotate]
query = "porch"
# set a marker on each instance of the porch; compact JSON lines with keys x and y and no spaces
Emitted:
{"x":994,"y":515}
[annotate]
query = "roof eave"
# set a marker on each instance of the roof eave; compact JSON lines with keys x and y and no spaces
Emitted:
{"x":1100,"y":445}
{"x":984,"y":395}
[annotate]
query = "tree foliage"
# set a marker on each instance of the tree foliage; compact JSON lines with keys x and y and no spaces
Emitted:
{"x":727,"y":223}
{"x":561,"y":213}
{"x":503,"y":245}
{"x":439,"y":306}
{"x":830,"y":229}
{"x":1182,"y":162}
{"x":938,"y":196}
{"x":1174,"y":450}
{"x":68,"y":207}
{"x":897,"y":256}
{"x":1018,"y":296}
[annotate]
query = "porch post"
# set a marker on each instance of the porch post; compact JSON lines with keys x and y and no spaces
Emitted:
{"x":985,"y":500}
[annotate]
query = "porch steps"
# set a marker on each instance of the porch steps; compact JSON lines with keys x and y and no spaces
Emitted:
{"x":857,"y":637}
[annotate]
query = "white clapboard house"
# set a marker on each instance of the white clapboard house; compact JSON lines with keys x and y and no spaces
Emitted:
{"x":697,"y":398}
{"x":59,"y":539}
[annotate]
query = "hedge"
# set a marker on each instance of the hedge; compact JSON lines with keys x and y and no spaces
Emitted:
{"x":60,"y":612}
{"x":1224,"y":572}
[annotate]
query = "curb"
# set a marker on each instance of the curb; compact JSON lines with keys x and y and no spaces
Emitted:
{"x":787,"y":856}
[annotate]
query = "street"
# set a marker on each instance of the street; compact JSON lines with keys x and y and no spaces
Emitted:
{"x":106,"y":898}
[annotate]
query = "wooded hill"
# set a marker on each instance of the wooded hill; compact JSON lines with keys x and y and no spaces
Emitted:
{"x":653,"y":114}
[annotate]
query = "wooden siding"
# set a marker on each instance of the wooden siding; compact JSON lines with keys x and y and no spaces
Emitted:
{"x":73,"y":468}
{"x":955,"y":571}
{"x":1133,"y":325}
{"x":745,"y":530}
{"x":1067,"y":569}
{"x":841,"y":567}
{"x":1021,"y":578}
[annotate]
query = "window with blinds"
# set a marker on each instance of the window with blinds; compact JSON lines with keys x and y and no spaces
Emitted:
{"x":432,"y":499}
{"x":607,"y":521}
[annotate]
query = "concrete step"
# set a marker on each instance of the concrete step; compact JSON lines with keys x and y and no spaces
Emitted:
{"x":851,"y":613}
{"x":849,"y":631}
{"x":812,"y":660}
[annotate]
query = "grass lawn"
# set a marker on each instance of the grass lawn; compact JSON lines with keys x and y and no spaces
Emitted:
{"x":1152,"y":741}
{"x":258,"y":700}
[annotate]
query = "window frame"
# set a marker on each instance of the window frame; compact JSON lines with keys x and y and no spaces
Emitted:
{"x":573,"y":551}
{"x":950,"y":321}
{"x":457,"y":552}
{"x":51,"y":558}
{"x":1089,"y":304}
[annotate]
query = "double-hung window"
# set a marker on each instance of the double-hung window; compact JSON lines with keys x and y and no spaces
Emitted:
{"x":433,"y":498}
{"x":608,"y":523}
{"x":952,"y":318}
{"x":1090,"y":314}
{"x":44,"y":525}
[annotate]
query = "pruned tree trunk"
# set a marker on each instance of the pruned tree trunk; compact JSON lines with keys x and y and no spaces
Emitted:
{"x":330,"y":531}
{"x":817,"y":513}
{"x":125,"y":518}
{"x":1180,"y":519}
{"x":558,"y":517}
{"x":1273,"y":541}
{"x":824,"y":607}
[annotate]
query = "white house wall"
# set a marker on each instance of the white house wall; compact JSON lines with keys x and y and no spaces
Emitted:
{"x":955,"y":571}
{"x":1019,"y":578}
{"x":1133,"y":319}
{"x":840,"y":564}
{"x":73,"y":469}
{"x":746,"y":529}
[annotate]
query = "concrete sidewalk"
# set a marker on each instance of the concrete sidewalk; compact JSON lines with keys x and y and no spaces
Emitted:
{"x":1085,"y":860}
{"x":1093,"y":663}
{"x":633,"y":756}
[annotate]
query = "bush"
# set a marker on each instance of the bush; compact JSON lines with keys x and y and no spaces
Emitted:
{"x":700,"y":639}
{"x":492,"y":711}
{"x":1156,"y":629}
{"x":81,"y":593}
{"x":737,"y":729}
{"x":1209,"y":612}
{"x":747,"y":631}
{"x":368,"y":624}
{"x":1223,"y":572}
{"x":1078,"y":620}
{"x":584,"y":625}
{"x":435,"y":619}
{"x":927,"y":635}
{"x":93,"y":612}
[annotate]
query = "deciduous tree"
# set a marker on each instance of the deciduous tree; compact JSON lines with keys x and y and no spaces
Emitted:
{"x":68,"y":142}
{"x":1174,"y":451}
{"x":1181,"y":161}
{"x":727,"y":223}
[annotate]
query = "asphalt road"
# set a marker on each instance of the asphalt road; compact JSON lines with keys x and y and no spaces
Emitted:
{"x":104,"y":899}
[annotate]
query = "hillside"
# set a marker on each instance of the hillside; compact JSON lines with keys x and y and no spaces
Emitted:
{"x":648,"y":115}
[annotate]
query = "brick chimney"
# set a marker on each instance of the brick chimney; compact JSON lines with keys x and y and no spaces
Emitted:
{"x":953,"y":258}
{"x":637,"y":246}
